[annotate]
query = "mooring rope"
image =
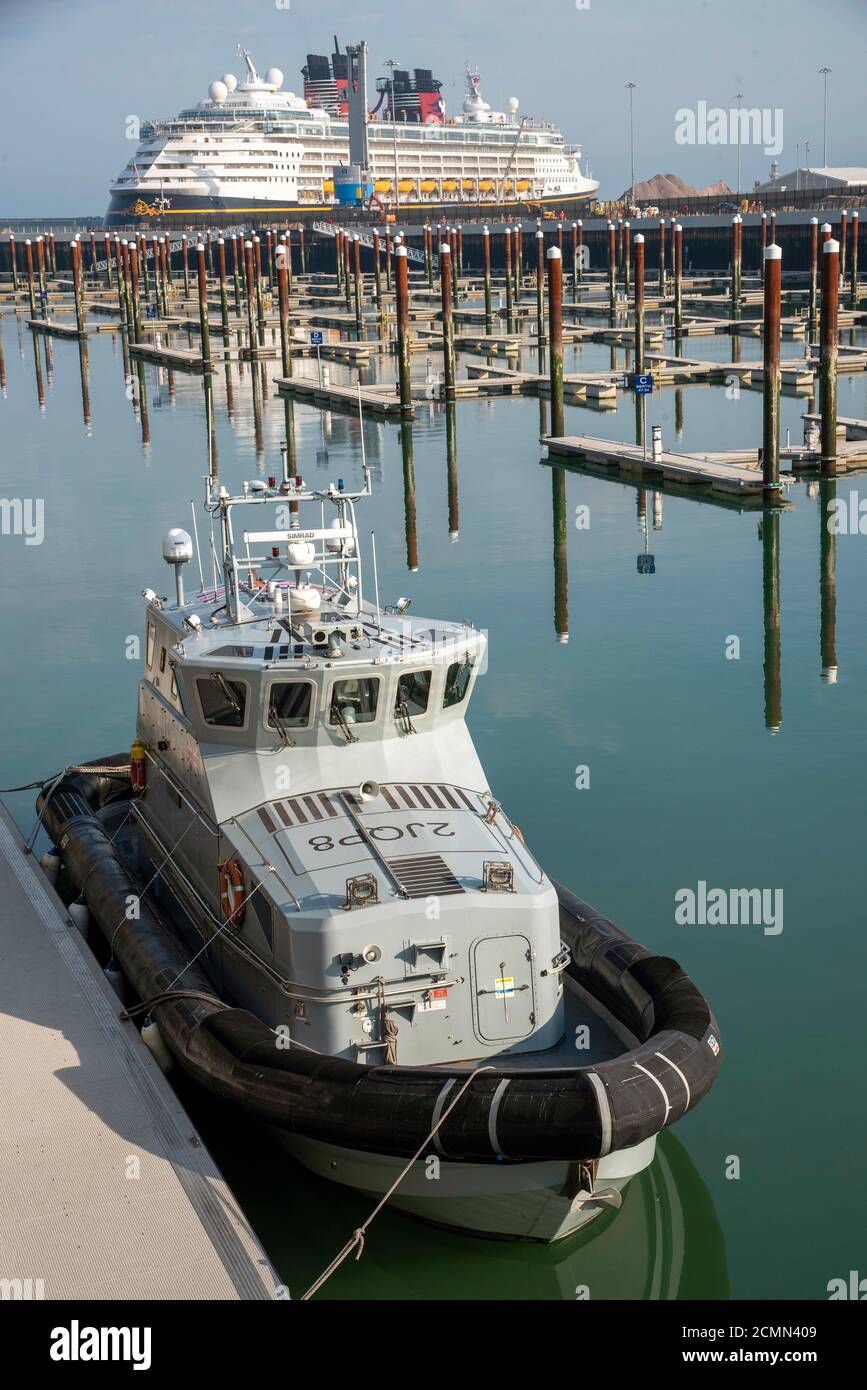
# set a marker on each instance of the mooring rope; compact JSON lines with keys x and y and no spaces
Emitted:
{"x":169,"y":996}
{"x":359,"y":1234}
{"x":155,"y":875}
{"x":120,"y":771}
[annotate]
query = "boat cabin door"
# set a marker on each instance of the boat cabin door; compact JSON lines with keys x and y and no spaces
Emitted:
{"x":504,"y":1005}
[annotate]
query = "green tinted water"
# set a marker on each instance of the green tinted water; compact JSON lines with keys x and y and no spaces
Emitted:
{"x":686,"y":782}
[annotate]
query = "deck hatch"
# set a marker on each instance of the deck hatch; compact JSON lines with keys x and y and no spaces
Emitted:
{"x":425,"y":875}
{"x":317,"y":806}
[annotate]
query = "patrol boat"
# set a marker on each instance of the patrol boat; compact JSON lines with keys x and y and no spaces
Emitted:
{"x":337,"y":925}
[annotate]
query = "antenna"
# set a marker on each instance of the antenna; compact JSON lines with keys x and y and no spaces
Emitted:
{"x":375,"y":582}
{"x":361,"y":431}
{"x":249,"y":61}
{"x":198,"y":551}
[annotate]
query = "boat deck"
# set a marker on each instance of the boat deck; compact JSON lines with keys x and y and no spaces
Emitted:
{"x":83,"y":1104}
{"x":598,"y":1044}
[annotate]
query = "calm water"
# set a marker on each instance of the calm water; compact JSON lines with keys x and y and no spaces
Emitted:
{"x":686,"y":781}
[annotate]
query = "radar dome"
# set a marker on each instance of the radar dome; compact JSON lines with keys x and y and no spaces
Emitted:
{"x":230,"y":81}
{"x":177,"y":547}
{"x":275,"y":77}
{"x":512,"y":105}
{"x":218,"y":91}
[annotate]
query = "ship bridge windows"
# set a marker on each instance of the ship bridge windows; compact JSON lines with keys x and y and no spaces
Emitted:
{"x":223,"y":701}
{"x":289,"y":704}
{"x":457,"y":682}
{"x":354,"y":701}
{"x":413,"y":693}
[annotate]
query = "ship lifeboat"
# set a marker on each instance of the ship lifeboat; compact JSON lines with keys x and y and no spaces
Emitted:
{"x":449,"y":185}
{"x":382,"y":186}
{"x":428,"y":186}
{"x":328,"y":186}
{"x":485,"y":185}
{"x":523,"y":185}
{"x":468,"y":185}
{"x":406,"y":185}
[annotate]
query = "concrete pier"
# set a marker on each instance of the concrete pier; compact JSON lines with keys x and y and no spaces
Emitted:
{"x":107,"y":1191}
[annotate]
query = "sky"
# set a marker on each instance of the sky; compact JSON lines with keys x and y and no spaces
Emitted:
{"x":73,"y":71}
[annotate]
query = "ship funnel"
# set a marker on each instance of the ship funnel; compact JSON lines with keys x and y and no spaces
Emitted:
{"x":368,"y":791}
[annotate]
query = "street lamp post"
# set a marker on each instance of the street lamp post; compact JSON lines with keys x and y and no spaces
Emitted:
{"x":394,"y":63}
{"x":825,"y":72}
{"x":739,"y":96}
{"x":630,"y":87}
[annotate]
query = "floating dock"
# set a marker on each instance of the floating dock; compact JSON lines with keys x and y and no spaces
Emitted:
{"x":106,"y":1189}
{"x":382,"y":400}
{"x":718,"y":473}
{"x":182,"y":359}
{"x":55,"y":329}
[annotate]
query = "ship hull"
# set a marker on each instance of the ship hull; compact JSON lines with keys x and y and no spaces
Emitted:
{"x":127,"y":209}
{"x":521,"y":1201}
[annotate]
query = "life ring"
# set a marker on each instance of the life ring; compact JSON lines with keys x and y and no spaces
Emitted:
{"x":232,"y":892}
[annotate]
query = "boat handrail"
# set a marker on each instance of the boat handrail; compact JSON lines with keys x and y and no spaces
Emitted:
{"x":317,"y":994}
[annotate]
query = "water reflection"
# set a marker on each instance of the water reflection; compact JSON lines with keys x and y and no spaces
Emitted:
{"x":40,"y":384}
{"x":770,"y":536}
{"x":406,"y":445}
{"x":561,"y":555}
{"x":452,"y":470}
{"x":85,"y":381}
{"x":827,"y":582}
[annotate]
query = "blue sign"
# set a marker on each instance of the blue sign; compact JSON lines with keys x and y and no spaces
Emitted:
{"x":151,"y":311}
{"x":642,"y":385}
{"x":317,"y":339}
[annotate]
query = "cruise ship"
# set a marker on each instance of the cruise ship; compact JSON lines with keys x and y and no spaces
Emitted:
{"x":253,"y":151}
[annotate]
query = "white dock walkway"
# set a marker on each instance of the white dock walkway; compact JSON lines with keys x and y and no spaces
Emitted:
{"x":83,"y":1105}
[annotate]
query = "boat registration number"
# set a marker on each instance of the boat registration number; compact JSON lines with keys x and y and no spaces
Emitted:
{"x":324,"y":843}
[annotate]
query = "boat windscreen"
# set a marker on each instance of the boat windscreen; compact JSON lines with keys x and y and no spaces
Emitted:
{"x":289,"y":704}
{"x":354,"y":700}
{"x":223,"y":702}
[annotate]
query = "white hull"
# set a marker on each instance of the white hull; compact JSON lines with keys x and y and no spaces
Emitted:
{"x":522,"y":1201}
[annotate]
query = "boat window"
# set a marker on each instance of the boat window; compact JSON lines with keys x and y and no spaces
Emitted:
{"x":457,"y":681}
{"x":151,"y":641}
{"x":413,"y":691}
{"x":224,"y":702}
{"x":176,"y":693}
{"x":355,"y":700}
{"x":234,"y":651}
{"x":289,"y":704}
{"x":162,"y":659}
